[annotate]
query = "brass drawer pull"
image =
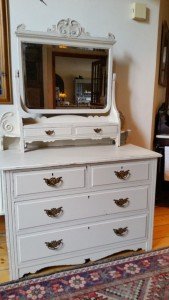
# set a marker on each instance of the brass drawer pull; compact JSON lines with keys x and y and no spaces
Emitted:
{"x":121,"y":231}
{"x":122,"y":202}
{"x":97,"y":130}
{"x":54,"y":245}
{"x":49,"y":132}
{"x":53,"y":181}
{"x":54,"y":212}
{"x":122,"y":174}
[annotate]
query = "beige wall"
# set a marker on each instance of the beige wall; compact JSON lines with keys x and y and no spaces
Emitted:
{"x":135,"y":64}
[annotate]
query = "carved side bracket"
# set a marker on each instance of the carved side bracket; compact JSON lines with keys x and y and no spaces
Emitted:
{"x":6,"y":123}
{"x":6,"y":127}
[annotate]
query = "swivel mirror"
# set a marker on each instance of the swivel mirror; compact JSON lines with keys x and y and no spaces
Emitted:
{"x":65,"y":70}
{"x":66,"y":85}
{"x":60,"y":76}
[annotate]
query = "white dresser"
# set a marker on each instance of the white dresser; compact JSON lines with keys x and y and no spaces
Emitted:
{"x":72,"y":204}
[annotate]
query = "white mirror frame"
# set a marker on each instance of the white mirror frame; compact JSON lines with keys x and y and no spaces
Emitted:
{"x":66,"y":32}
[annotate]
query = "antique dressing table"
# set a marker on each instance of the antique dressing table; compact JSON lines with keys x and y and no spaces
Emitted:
{"x":68,"y":203}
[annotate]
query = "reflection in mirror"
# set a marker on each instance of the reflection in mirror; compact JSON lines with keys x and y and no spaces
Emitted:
{"x":58,"y":76}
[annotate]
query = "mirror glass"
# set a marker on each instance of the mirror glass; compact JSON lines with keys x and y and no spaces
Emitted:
{"x":59,"y":76}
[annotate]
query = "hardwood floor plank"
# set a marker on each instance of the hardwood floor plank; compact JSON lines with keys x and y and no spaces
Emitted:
{"x":161,"y":243}
{"x":161,"y":231}
{"x":161,"y":220}
{"x":160,"y":211}
{"x":3,"y":256}
{"x":2,"y":238}
{"x":4,"y":276}
{"x":2,"y":224}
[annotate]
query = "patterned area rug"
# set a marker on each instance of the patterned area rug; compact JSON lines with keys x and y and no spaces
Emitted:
{"x":140,"y":277}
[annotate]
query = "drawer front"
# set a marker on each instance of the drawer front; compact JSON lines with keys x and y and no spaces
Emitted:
{"x":56,"y":210}
{"x":119,"y":173}
{"x":26,"y":183}
{"x":97,"y":131}
{"x":51,"y":243}
{"x":48,"y":132}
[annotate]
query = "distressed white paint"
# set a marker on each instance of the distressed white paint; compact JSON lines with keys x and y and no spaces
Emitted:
{"x":10,"y":160}
{"x":135,"y":57}
{"x":30,"y":214}
{"x":89,"y":233}
{"x":79,"y":238}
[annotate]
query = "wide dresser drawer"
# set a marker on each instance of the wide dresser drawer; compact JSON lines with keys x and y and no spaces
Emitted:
{"x":119,"y":173}
{"x":32,"y":182}
{"x":58,"y":242}
{"x":35,"y":213}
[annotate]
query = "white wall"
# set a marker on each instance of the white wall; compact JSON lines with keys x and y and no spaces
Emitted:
{"x":135,"y":51}
{"x":135,"y":66}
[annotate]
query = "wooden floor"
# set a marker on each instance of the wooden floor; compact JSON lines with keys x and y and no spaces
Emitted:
{"x":161,"y":239}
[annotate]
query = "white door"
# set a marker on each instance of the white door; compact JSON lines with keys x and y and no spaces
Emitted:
{"x":1,"y":202}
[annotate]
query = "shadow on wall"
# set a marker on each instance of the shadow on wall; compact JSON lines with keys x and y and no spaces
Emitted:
{"x":124,"y":101}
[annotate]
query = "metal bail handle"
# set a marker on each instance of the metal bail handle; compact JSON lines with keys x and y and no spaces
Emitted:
{"x":122,"y":174}
{"x":97,"y":130}
{"x":54,"y":245}
{"x":121,"y":231}
{"x":122,"y":202}
{"x":54,"y":212}
{"x":53,"y":181}
{"x":49,"y":132}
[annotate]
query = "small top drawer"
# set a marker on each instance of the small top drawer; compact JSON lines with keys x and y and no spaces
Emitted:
{"x":119,"y":173}
{"x":32,"y":182}
{"x":101,"y":131}
{"x":46,"y":132}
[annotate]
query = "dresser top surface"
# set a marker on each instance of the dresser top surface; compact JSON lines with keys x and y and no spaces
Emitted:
{"x":46,"y":157}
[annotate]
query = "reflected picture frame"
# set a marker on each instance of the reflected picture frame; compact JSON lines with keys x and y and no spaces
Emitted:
{"x":164,"y":55}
